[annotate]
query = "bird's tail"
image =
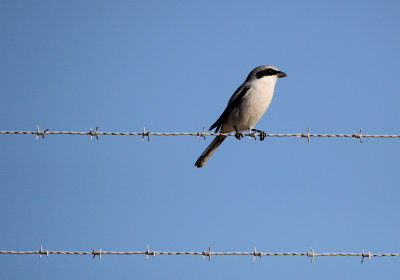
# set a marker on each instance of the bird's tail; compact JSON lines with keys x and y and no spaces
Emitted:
{"x":210,"y":150}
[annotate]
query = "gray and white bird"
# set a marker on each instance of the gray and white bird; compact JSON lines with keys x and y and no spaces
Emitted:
{"x":246,"y":106}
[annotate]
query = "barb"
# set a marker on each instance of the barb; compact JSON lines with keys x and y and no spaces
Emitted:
{"x":94,"y":133}
{"x":205,"y":253}
{"x":311,"y":254}
{"x":43,"y":252}
{"x":97,"y":253}
{"x":203,"y":134}
{"x":39,"y":132}
{"x":255,"y":253}
{"x":148,"y":252}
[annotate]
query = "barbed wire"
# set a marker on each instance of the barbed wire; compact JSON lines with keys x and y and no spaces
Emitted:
{"x":95,"y":133}
{"x":205,"y":253}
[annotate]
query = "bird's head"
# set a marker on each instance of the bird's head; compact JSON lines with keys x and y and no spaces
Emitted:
{"x":266,"y":72}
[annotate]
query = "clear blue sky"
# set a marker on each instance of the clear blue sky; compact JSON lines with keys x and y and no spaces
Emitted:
{"x":172,"y":66}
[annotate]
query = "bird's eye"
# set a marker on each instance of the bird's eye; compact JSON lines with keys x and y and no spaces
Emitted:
{"x":266,"y":72}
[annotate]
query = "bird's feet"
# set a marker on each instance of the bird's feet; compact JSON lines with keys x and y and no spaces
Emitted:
{"x":262,"y":135}
{"x":238,"y":134}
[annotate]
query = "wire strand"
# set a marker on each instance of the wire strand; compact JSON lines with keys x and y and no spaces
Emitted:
{"x":205,"y":253}
{"x":203,"y":134}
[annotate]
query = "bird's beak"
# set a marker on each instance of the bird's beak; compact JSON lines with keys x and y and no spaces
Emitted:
{"x":281,"y":74}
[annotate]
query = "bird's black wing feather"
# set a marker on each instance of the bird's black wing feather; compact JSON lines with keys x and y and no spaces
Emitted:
{"x":233,"y":102}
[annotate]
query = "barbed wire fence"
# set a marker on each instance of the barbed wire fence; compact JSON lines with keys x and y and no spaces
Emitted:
{"x":205,"y":253}
{"x":203,"y":134}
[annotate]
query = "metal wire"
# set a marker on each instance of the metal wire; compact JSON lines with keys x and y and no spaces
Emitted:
{"x":208,"y":253}
{"x":95,"y":133}
{"x":205,"y":253}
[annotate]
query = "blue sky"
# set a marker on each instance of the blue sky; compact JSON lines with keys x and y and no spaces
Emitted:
{"x":172,"y":66}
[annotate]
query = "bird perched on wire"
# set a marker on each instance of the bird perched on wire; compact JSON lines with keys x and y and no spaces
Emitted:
{"x":246,"y":106}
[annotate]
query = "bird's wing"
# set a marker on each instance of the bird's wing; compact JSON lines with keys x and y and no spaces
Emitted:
{"x":236,"y":98}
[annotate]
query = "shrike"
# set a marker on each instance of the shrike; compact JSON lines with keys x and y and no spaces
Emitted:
{"x":246,"y":106}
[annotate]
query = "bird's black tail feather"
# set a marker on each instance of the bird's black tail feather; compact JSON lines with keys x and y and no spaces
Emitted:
{"x":205,"y":156}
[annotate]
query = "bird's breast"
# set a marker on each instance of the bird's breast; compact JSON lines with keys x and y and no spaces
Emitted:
{"x":260,"y":97}
{"x":254,"y":105}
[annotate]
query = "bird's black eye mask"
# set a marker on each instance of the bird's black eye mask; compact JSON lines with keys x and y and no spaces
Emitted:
{"x":266,"y":72}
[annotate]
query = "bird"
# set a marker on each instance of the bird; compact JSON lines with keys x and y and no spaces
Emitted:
{"x":245,"y":108}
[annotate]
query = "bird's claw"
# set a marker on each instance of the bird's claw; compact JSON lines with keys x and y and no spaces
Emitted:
{"x":238,"y":135}
{"x":262,"y":134}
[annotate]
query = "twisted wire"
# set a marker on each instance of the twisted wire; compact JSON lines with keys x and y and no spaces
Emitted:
{"x":144,"y":133}
{"x":205,"y":253}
